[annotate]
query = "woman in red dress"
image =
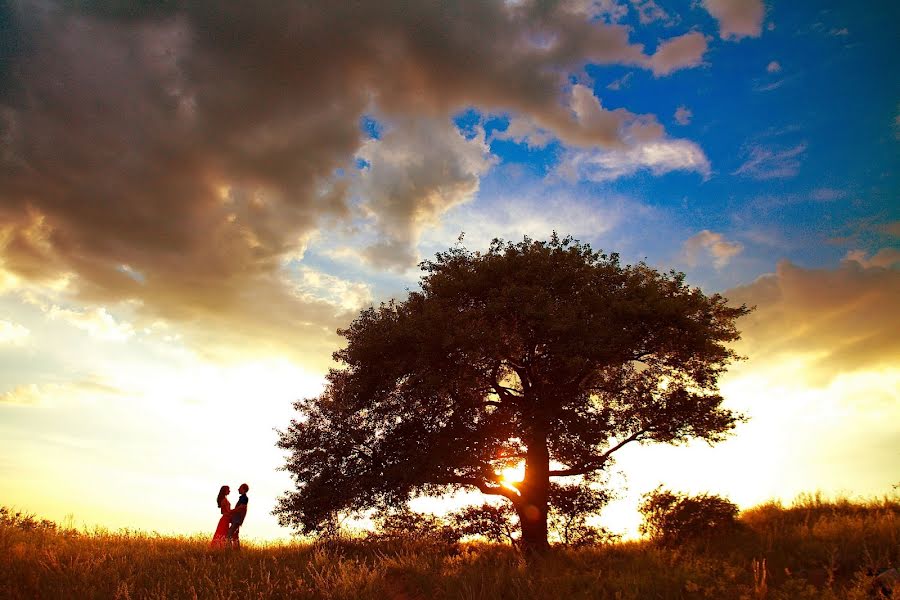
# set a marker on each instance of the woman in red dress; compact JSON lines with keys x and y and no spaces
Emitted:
{"x":224,"y":505}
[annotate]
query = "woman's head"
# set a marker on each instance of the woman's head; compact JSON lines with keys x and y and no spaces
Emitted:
{"x":223,"y":491}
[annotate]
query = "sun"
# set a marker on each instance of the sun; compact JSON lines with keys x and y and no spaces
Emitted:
{"x":510,"y":477}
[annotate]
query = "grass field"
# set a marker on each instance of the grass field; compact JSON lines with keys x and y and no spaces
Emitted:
{"x":812,"y":549}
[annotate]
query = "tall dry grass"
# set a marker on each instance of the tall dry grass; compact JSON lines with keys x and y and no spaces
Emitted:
{"x":812,"y":549}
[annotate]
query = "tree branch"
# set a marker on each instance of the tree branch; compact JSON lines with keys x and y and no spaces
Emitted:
{"x":640,"y":356}
{"x":502,"y":391}
{"x":592,"y":465}
{"x":483,"y":486}
{"x":522,"y":373}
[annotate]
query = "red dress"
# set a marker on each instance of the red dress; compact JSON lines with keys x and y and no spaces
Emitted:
{"x":218,"y":540}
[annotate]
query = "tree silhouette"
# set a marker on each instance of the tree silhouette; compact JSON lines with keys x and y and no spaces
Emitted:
{"x":673,"y":519}
{"x":542,"y":352}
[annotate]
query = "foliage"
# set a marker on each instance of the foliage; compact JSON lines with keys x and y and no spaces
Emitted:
{"x":495,"y":522}
{"x":25,"y":521}
{"x":570,"y":507}
{"x":406,"y":524}
{"x":672,"y":519}
{"x":546,"y":353}
{"x":793,"y":545}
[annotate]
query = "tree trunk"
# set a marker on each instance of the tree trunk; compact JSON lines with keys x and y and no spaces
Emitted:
{"x":532,"y":509}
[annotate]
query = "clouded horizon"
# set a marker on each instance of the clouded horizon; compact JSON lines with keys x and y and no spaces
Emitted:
{"x":195,"y":196}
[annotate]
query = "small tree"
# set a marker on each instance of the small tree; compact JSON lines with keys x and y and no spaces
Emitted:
{"x":570,"y":506}
{"x":672,"y":519}
{"x":496,"y":522}
{"x":545,"y":353}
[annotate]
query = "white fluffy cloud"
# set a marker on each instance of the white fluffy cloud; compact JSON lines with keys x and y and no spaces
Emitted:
{"x":96,"y":321}
{"x":681,"y":52}
{"x":657,"y":156}
{"x":13,"y":334}
{"x":536,"y":215}
{"x":737,"y":18}
{"x":313,"y":285}
{"x":711,"y":244}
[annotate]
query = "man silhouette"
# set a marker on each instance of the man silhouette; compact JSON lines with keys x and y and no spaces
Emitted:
{"x":238,"y":513}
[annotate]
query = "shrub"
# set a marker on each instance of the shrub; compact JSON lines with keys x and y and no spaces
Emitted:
{"x":24,"y":521}
{"x":407,"y":524}
{"x":570,"y":508}
{"x":671,"y":518}
{"x":496,"y":523}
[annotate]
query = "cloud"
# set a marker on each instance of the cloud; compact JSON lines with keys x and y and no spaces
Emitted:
{"x":681,"y":52}
{"x":767,"y":163}
{"x":84,"y":390}
{"x":523,"y":130}
{"x":97,"y":322}
{"x":837,"y":320}
{"x":683,"y":115}
{"x":593,"y":118}
{"x":827,"y":194}
{"x":609,"y":11}
{"x":768,"y":87}
{"x":347,"y":295}
{"x":773,"y":67}
{"x":590,"y":122}
{"x":885,"y":258}
{"x":13,"y":334}
{"x":657,"y":156}
{"x":417,"y":171}
{"x":650,"y":12}
{"x":621,"y":83}
{"x":22,"y":395}
{"x":892,"y":228}
{"x":642,"y":145}
{"x":737,"y":18}
{"x":200,"y":144}
{"x":537,"y":214}
{"x":713,"y":244}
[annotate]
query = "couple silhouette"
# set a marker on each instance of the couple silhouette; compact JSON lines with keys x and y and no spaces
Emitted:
{"x":228,"y":531}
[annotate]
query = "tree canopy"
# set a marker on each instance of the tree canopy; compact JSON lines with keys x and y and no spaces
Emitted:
{"x":543,"y":352}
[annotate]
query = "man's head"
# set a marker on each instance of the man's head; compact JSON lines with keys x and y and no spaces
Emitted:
{"x":244,"y":488}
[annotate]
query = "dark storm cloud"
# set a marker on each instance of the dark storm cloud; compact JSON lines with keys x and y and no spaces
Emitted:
{"x":173,"y":153}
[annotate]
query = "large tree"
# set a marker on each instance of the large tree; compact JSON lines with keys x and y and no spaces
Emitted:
{"x":542,"y":352}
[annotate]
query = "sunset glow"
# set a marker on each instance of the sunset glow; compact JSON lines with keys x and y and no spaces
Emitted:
{"x":188,"y":214}
{"x":509,"y":477}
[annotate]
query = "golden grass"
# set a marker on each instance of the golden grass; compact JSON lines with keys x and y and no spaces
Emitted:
{"x":813,"y":549}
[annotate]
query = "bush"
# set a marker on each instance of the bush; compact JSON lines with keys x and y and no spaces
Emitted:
{"x":24,"y":521}
{"x":406,"y":524}
{"x":671,"y":518}
{"x":570,"y":508}
{"x":496,"y":522}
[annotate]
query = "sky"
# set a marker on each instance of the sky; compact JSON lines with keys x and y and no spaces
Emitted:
{"x":195,"y":196}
